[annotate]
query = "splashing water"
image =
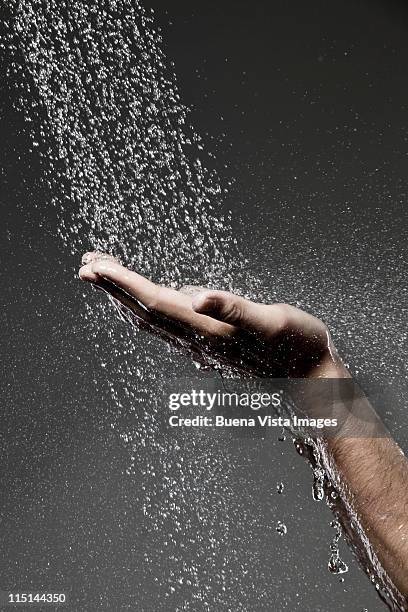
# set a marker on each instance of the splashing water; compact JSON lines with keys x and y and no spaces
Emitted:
{"x":281,"y":528}
{"x":130,"y":176}
{"x":318,"y":484}
{"x":336,"y":565}
{"x":131,"y":172}
{"x":280,"y":487}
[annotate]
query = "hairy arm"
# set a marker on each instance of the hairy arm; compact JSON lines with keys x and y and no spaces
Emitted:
{"x":375,"y":473}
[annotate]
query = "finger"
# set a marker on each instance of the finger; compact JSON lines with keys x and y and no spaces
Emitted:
{"x":109,"y":269}
{"x":264,"y":319}
{"x":166,"y":302}
{"x":92,"y":256}
{"x":191,"y":290}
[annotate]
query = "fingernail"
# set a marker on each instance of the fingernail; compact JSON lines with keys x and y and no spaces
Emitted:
{"x":88,"y":257}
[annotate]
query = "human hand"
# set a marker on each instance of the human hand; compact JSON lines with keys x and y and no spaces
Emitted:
{"x":275,"y":340}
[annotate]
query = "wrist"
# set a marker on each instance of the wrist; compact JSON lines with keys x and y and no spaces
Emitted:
{"x":330,"y":366}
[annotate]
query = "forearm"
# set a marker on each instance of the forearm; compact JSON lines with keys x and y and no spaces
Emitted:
{"x":374,"y":473}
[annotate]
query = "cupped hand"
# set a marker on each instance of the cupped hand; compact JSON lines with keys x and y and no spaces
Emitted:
{"x":274,"y":340}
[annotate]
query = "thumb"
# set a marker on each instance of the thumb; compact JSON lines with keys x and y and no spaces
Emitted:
{"x":235,"y":310}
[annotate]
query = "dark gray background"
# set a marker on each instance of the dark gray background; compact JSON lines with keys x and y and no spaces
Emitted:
{"x":312,"y":101}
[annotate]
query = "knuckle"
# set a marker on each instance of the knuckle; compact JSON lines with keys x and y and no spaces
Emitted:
{"x":323,"y":327}
{"x":323,"y":332}
{"x":232,"y":310}
{"x":281,"y":316}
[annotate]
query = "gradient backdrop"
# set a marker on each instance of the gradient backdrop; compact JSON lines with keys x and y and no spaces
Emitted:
{"x":307,"y":104}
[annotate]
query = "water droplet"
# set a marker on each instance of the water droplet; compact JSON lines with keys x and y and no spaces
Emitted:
{"x":336,"y":565}
{"x":318,"y":484}
{"x":281,"y":528}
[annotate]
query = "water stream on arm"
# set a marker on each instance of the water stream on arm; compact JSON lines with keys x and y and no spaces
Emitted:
{"x":130,"y":176}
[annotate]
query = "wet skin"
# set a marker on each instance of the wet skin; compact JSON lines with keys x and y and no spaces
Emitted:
{"x":275,"y":340}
